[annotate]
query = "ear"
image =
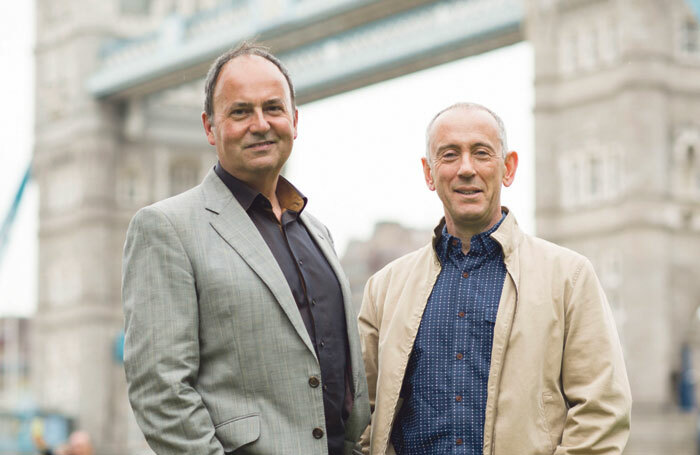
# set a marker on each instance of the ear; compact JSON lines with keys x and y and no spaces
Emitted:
{"x":428,"y":174}
{"x":208,"y":129}
{"x":511,"y":164}
{"x":296,"y":120}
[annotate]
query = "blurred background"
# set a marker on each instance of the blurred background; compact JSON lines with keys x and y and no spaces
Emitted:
{"x":100,"y":116}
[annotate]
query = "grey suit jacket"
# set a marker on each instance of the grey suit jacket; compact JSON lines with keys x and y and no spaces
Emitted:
{"x":216,"y":355}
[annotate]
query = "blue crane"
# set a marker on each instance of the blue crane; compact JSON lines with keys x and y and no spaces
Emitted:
{"x":12,"y":212}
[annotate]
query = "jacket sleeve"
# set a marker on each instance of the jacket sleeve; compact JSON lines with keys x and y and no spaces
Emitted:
{"x":594,"y":378}
{"x":161,"y":351}
{"x":369,"y":337}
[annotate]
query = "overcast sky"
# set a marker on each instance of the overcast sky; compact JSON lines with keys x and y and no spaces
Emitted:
{"x":18,"y":266}
{"x":357,"y":157}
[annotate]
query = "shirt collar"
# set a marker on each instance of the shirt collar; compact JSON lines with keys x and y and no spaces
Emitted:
{"x":480,"y":244}
{"x":290,"y":198}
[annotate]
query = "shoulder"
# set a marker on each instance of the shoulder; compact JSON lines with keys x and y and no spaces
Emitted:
{"x":174,"y":210}
{"x":546,"y":252}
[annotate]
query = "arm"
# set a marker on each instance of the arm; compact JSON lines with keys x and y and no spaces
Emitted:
{"x":594,"y":378}
{"x":369,"y":337}
{"x":161,"y":351}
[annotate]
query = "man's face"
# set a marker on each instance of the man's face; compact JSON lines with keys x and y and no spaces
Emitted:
{"x":254,"y":123}
{"x":468,"y":168}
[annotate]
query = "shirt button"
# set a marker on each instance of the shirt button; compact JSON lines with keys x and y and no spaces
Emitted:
{"x":459,"y":356}
{"x":465,"y":275}
{"x":318,"y":433}
{"x":459,"y":441}
{"x":460,"y":314}
{"x":458,"y":398}
{"x":314,"y":382}
{"x":301,"y":262}
{"x":455,"y":242}
{"x":322,"y":343}
{"x":325,"y":387}
{"x":313,"y":302}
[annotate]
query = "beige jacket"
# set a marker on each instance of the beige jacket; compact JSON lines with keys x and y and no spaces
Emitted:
{"x":557,"y":383}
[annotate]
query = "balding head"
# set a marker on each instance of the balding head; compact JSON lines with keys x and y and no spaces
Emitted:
{"x":467,"y":106}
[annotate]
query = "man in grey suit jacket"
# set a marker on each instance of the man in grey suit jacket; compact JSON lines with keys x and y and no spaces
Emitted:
{"x":240,"y":333}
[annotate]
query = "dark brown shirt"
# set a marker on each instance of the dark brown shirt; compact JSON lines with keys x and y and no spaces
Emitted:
{"x":315,"y":288}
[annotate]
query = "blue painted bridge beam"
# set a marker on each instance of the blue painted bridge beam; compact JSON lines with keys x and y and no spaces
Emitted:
{"x":12,"y":212}
{"x":430,"y":32}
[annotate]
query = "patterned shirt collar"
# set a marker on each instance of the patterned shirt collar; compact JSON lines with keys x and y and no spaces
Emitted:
{"x":480,"y":244}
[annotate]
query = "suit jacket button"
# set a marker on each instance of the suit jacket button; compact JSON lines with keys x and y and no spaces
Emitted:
{"x":314,"y":382}
{"x":318,"y":433}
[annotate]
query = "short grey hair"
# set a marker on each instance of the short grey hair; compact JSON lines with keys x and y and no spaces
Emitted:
{"x":245,"y":48}
{"x":468,"y":106}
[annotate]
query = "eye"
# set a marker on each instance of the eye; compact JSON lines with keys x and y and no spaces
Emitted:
{"x":274,"y":108}
{"x":482,"y":153}
{"x":238,"y":112}
{"x":449,"y":155}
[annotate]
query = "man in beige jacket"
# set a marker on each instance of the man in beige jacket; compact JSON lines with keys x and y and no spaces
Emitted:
{"x":488,"y":340}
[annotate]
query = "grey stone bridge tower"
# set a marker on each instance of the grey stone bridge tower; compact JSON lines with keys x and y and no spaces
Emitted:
{"x":96,"y":164}
{"x":617,"y":118}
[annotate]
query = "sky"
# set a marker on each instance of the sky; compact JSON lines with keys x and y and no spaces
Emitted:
{"x":357,"y":156}
{"x":18,"y":267}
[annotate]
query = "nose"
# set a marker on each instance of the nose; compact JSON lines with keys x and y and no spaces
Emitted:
{"x":259,"y":123}
{"x":466,"y":167}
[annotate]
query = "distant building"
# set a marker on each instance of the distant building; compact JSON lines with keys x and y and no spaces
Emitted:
{"x":14,"y":361}
{"x":389,"y":241}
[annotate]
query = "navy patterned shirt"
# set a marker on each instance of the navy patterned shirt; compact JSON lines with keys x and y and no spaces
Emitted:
{"x":445,"y":385}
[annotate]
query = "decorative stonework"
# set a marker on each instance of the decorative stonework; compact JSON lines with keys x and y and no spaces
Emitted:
{"x":590,"y":176}
{"x":686,"y":163}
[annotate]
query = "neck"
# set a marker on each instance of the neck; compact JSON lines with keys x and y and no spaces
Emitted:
{"x":465,"y":231}
{"x":266,"y":184}
{"x":268,"y":188}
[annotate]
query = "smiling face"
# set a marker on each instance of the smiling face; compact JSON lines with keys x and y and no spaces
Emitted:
{"x":254,"y":123}
{"x":468,"y":169}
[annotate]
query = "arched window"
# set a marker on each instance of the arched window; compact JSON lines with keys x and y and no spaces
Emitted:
{"x":690,"y":37}
{"x":686,"y":163}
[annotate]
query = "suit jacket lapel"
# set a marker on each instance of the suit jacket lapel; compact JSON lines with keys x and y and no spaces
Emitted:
{"x":350,"y":314}
{"x":234,"y":225}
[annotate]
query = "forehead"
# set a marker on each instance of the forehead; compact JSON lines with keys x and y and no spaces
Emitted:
{"x":250,"y":76}
{"x":464,"y":125}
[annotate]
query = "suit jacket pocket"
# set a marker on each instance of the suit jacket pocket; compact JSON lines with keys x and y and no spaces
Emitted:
{"x":238,"y":431}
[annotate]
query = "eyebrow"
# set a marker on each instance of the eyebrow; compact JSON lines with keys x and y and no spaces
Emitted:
{"x":442,"y":148}
{"x":273,"y":101}
{"x":482,"y":144}
{"x":245,"y":105}
{"x":239,"y":105}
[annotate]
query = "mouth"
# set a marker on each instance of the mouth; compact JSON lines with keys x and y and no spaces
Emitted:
{"x":260,"y":145}
{"x":468,"y":191}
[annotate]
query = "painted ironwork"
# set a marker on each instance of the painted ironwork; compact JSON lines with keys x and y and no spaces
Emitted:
{"x":12,"y":212}
{"x":185,"y":42}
